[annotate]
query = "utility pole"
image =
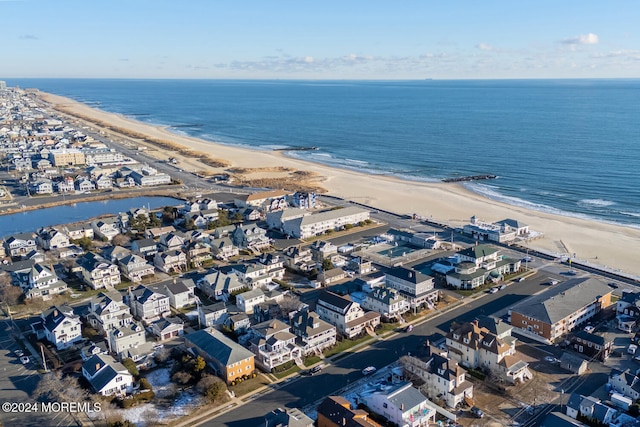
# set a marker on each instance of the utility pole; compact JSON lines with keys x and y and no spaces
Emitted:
{"x":44,"y":360}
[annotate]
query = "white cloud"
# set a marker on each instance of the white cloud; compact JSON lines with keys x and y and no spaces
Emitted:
{"x":589,"y":38}
{"x":484,"y":46}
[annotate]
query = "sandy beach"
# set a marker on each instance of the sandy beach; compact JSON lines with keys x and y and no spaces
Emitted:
{"x":596,"y":242}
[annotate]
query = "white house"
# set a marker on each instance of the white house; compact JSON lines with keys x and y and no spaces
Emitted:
{"x":147,"y":303}
{"x":247,"y":300}
{"x":443,"y":377}
{"x":314,"y":334}
{"x":106,"y":376}
{"x":347,"y":316}
{"x":60,"y":326}
{"x":108,"y":311}
{"x":317,"y":223}
{"x":388,"y":302}
{"x":415,"y":286}
{"x":97,"y":272}
{"x":401,"y":404}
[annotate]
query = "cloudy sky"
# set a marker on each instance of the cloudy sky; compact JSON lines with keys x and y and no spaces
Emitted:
{"x":347,"y":39}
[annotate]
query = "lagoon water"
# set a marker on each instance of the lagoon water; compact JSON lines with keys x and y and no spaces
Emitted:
{"x":563,"y":146}
{"x":30,"y":221}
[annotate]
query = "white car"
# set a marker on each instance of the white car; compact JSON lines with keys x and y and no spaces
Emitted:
{"x":589,"y":329}
{"x":493,"y":290}
{"x":368,"y":370}
{"x":24,"y":360}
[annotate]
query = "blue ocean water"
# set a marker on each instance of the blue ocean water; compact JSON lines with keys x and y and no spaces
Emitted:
{"x":563,"y":146}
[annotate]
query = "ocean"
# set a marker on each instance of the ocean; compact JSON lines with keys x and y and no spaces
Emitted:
{"x":570,"y":147}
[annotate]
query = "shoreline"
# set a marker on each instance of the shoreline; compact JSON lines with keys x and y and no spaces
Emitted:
{"x":609,"y":245}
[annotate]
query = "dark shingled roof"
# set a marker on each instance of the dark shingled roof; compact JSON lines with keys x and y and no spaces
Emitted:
{"x":408,"y":275}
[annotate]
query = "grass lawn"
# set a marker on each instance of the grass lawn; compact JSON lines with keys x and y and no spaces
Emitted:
{"x":345,"y":345}
{"x":386,"y":327}
{"x":292,"y":370}
{"x":312,"y":360}
{"x":248,"y":386}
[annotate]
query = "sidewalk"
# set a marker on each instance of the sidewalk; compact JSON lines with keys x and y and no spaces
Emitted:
{"x":238,"y":401}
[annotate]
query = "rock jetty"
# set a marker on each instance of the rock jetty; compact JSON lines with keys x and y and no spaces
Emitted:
{"x":470,"y":178}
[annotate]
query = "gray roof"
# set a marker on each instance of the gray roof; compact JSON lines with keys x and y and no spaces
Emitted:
{"x":408,"y":397}
{"x":328,"y":215}
{"x":408,"y":275}
{"x":108,"y":369}
{"x":218,"y":347}
{"x":560,"y":301}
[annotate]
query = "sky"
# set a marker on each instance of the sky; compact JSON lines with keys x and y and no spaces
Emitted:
{"x":348,"y":39}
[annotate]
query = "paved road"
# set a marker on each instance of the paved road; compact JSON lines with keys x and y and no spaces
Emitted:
{"x":307,"y":390}
{"x":17,"y":382}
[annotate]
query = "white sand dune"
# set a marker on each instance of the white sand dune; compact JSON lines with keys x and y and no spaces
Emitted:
{"x":600,"y":243}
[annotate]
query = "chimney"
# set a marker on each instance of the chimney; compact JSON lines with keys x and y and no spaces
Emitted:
{"x":55,"y":312}
{"x":402,"y":406}
{"x":97,"y":367}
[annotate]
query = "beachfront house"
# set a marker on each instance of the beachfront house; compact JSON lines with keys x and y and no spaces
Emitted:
{"x":298,"y":258}
{"x":480,"y":263}
{"x":335,"y":411}
{"x":318,"y":223}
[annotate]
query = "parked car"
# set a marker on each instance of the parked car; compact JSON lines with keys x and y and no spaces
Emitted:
{"x":502,"y":287}
{"x":520,"y":279}
{"x":589,"y":329}
{"x":632,"y":349}
{"x":368,"y":370}
{"x":551,"y":359}
{"x":613,"y":285}
{"x":408,"y":328}
{"x":315,"y":369}
{"x":493,"y":290}
{"x":24,"y":360}
{"x":477,"y":412}
{"x":18,"y":353}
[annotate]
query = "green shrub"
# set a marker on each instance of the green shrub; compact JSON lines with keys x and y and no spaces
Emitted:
{"x":131,"y":367}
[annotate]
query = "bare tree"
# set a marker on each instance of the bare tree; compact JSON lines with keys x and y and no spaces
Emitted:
{"x":10,"y":294}
{"x":120,"y":240}
{"x":56,"y":388}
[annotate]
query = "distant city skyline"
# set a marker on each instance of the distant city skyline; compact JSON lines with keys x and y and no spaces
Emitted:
{"x":358,"y":39}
